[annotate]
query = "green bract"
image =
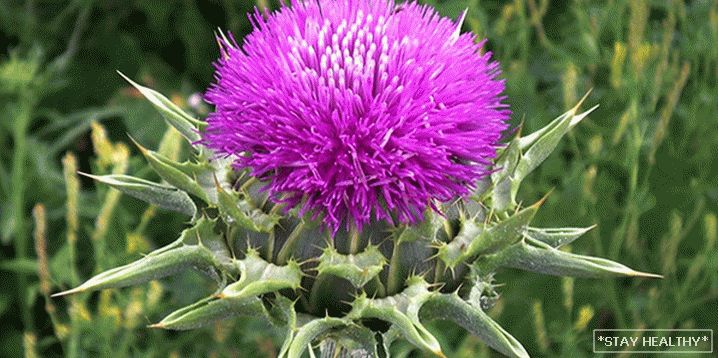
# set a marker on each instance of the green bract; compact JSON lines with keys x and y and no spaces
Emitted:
{"x":289,"y":270}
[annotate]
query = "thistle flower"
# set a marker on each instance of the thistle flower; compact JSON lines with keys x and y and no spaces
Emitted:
{"x":358,"y":109}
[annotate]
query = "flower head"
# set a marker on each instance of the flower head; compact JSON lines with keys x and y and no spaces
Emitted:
{"x":358,"y":109}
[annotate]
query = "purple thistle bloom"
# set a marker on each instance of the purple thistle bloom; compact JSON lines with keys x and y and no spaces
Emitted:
{"x":358,"y":109}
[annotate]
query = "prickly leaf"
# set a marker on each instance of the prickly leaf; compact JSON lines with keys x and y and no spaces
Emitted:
{"x":163,"y":196}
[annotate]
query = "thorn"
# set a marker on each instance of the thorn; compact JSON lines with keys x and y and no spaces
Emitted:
{"x":382,"y":241}
{"x":539,"y":203}
{"x":328,"y":242}
{"x":68,"y":292}
{"x":156,"y":325}
{"x":519,"y":129}
{"x":491,"y":214}
{"x":354,"y":295}
{"x":91,"y":176}
{"x":424,"y":273}
{"x":217,"y":186}
{"x":446,"y":268}
{"x":310,"y":276}
{"x":645,"y":274}
{"x":309,"y":260}
{"x":579,"y":117}
{"x":580,"y":102}
{"x":133,"y":83}
{"x":432,"y":257}
{"x":145,"y":152}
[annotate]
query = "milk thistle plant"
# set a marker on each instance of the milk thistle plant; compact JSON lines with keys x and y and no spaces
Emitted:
{"x":351,"y":183}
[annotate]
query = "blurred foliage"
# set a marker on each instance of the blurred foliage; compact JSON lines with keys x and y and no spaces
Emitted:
{"x":640,"y":167}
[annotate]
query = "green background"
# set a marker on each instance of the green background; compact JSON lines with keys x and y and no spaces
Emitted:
{"x":641,"y":167}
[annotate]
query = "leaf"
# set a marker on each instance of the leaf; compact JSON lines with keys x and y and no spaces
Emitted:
{"x":543,"y":259}
{"x":557,"y":237}
{"x":258,"y":276}
{"x":505,"y":232}
{"x":202,"y":233}
{"x":540,"y":147}
{"x":454,"y":252}
{"x":243,"y":213}
{"x":174,"y":115}
{"x":354,"y":338}
{"x":482,"y":293}
{"x":389,"y":337}
{"x":211,"y":310}
{"x":475,"y":239}
{"x":150,"y":267}
{"x":311,"y":330}
{"x":198,"y":247}
{"x":527,"y":141}
{"x":176,"y":174}
{"x":501,"y":198}
{"x":451,"y":307}
{"x":357,"y":269}
{"x":20,"y":266}
{"x":402,"y":311}
{"x":412,"y":249}
{"x":163,"y":196}
{"x":283,"y":314}
{"x":426,"y":230}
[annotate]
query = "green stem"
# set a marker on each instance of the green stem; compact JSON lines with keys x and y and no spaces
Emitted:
{"x":439,"y":270}
{"x":355,"y":240}
{"x":73,"y":347}
{"x":72,"y":190}
{"x":314,"y":294}
{"x":377,"y":287}
{"x":616,"y":245}
{"x":270,"y":246}
{"x":273,"y":234}
{"x":615,"y":300}
{"x":393,"y":277}
{"x":18,"y":180}
{"x":633,"y":164}
{"x":288,"y":247}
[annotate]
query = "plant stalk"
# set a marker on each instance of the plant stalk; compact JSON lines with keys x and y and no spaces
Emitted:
{"x":26,"y":104}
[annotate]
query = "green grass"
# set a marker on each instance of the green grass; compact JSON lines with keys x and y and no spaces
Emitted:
{"x":640,"y":167}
